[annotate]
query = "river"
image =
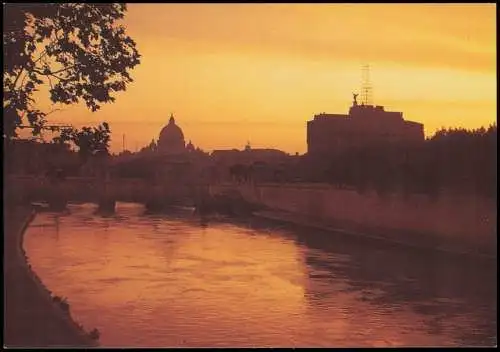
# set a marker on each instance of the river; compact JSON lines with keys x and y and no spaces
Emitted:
{"x":168,"y":280}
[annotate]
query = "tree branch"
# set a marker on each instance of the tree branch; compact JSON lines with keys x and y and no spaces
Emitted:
{"x":52,"y":111}
{"x":64,"y":69}
{"x":17,"y":77}
{"x":42,"y":54}
{"x":47,"y":74}
{"x":50,"y":83}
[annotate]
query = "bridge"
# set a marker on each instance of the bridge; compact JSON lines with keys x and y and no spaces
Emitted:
{"x":105,"y":192}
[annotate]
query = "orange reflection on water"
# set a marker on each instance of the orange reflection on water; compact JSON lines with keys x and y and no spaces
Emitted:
{"x":218,"y":274}
{"x":167,"y":281}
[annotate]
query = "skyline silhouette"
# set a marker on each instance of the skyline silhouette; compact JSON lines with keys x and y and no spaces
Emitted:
{"x":281,"y":64}
{"x":220,"y":229}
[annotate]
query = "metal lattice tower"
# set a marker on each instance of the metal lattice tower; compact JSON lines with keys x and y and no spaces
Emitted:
{"x":366,"y":86}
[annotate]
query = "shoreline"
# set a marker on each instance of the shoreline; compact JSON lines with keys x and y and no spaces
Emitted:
{"x":413,"y":240}
{"x":433,"y":245}
{"x":32,"y":318}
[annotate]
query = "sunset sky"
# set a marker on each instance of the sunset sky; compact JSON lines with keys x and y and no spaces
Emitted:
{"x":233,"y":73}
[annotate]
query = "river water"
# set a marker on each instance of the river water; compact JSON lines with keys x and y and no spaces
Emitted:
{"x":168,"y":280}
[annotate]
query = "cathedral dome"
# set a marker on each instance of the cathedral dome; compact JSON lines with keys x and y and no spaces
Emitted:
{"x":171,"y":138}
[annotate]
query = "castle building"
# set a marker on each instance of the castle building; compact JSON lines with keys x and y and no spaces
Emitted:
{"x":365,"y":125}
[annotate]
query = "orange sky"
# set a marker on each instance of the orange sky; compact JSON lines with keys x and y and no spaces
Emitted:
{"x":257,"y":72}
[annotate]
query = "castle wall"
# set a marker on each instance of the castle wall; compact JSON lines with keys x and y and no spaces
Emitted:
{"x":364,"y":125}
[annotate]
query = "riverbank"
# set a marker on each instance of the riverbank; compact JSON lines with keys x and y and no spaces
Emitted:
{"x":31,"y":318}
{"x":460,"y":223}
{"x":410,"y":240}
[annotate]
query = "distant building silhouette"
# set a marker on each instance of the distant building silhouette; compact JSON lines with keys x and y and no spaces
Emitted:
{"x":168,"y":158}
{"x":248,"y":155}
{"x":171,"y":139}
{"x":363,"y":126}
{"x":190,"y":147}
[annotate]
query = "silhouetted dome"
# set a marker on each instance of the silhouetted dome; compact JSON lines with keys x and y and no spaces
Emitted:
{"x":171,"y":138}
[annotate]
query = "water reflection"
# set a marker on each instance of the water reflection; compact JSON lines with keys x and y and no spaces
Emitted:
{"x":152,"y":280}
{"x":446,"y":294}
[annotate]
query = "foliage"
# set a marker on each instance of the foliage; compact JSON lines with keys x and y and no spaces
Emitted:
{"x":457,"y":160}
{"x":91,"y":141}
{"x":62,"y":302}
{"x":79,"y":49}
{"x":94,"y":334}
{"x":240,"y":172}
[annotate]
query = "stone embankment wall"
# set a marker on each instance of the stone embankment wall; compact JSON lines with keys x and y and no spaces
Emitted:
{"x":469,"y":219}
{"x":31,"y":317}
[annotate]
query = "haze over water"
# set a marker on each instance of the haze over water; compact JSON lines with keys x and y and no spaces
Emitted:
{"x":146,"y":280}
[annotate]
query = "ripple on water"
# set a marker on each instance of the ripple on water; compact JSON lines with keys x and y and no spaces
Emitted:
{"x":160,"y":281}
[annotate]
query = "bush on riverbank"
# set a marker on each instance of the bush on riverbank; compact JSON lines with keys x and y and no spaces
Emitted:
{"x":94,"y":334}
{"x":62,"y":302}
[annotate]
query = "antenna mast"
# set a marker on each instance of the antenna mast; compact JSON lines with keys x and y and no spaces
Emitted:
{"x":366,"y":87}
